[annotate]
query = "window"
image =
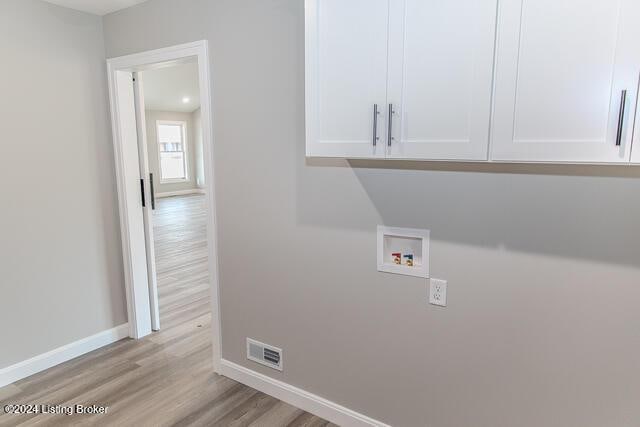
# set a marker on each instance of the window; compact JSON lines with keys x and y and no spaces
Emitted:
{"x":172,"y":146}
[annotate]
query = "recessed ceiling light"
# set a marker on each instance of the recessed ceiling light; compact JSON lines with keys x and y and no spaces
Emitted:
{"x":186,"y":100}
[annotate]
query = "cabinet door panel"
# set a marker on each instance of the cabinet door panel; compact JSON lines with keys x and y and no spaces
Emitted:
{"x":562,"y":66}
{"x":441,"y":67}
{"x":346,"y":66}
{"x":635,"y":148}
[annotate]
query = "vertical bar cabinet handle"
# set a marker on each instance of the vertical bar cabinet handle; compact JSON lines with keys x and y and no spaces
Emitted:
{"x":390,"y":125}
{"x":144,"y":204}
{"x":375,"y":124}
{"x":153,"y":195}
{"x":623,"y":105}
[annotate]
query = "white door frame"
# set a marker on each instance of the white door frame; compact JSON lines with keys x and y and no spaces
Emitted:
{"x":140,"y":326}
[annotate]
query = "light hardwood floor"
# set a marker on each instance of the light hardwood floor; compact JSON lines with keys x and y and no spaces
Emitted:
{"x":164,"y":379}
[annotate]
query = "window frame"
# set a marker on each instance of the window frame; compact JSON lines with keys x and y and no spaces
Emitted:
{"x":185,"y":150}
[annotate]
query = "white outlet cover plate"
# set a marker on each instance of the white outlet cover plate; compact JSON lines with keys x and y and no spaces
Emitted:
{"x":438,"y":292}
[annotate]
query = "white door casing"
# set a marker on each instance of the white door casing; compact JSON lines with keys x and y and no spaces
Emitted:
{"x":122,"y":103}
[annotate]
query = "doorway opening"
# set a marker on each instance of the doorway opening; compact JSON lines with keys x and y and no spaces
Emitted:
{"x":179,"y":292}
{"x":161,"y":114}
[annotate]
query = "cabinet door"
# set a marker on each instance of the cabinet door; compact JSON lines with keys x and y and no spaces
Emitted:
{"x":440,"y":78}
{"x":635,"y":147}
{"x":346,"y":74}
{"x":562,"y":67}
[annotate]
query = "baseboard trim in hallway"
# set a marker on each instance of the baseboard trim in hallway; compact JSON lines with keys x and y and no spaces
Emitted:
{"x":179,"y":193}
{"x":302,"y":399}
{"x":62,"y":354}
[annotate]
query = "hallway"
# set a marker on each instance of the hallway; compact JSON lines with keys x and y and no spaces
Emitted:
{"x":179,"y":227}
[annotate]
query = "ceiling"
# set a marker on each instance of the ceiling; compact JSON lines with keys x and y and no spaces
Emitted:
{"x":97,"y":7}
{"x":165,"y":89}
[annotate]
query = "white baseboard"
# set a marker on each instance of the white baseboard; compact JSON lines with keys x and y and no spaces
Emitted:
{"x":180,"y":193}
{"x":299,"y":398}
{"x":59,"y":355}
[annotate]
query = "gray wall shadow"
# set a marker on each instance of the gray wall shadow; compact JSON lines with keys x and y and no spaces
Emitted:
{"x":573,"y":211}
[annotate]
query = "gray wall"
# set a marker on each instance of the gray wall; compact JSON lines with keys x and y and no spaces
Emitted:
{"x":543,"y":262}
{"x":61,"y":276}
{"x":152,"y":148}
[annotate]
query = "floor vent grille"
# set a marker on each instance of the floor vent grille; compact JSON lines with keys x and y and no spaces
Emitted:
{"x":264,"y":354}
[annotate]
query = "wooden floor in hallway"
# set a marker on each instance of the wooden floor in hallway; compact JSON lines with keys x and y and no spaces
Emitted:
{"x":165,"y":379}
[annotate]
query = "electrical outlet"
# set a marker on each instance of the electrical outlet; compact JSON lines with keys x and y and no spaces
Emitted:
{"x":438,"y":292}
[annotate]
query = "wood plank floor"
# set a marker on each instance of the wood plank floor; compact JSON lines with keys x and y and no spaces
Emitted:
{"x":165,"y":379}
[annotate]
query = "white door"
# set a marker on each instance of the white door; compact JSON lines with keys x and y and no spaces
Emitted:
{"x":136,"y":262}
{"x":149,"y":205}
{"x":440,"y":78}
{"x":346,"y":76}
{"x":562,"y":69}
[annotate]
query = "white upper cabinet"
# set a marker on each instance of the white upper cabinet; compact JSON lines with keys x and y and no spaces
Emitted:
{"x":480,"y":80}
{"x":440,"y":78}
{"x":346,"y":75}
{"x":563,"y":69}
